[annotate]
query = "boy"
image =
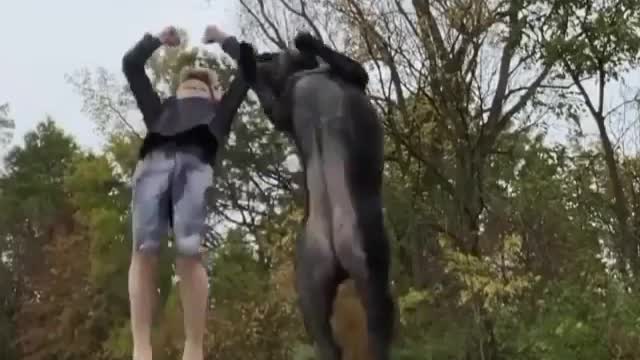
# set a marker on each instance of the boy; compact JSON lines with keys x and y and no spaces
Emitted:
{"x":171,"y":179}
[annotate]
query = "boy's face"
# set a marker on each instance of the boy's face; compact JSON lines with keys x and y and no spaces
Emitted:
{"x":193,"y":88}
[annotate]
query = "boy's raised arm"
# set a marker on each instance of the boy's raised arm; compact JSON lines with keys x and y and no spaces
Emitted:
{"x":133,"y":64}
{"x":229,"y":43}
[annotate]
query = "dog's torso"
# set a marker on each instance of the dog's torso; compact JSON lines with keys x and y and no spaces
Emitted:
{"x":318,"y":101}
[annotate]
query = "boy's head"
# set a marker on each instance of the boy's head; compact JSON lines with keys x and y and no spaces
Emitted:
{"x":198,"y":82}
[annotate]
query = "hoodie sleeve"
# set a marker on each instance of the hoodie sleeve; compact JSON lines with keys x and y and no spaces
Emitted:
{"x":244,"y":56}
{"x":133,"y":64}
{"x":231,"y":47}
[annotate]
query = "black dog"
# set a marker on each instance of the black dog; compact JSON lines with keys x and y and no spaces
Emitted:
{"x":322,"y":105}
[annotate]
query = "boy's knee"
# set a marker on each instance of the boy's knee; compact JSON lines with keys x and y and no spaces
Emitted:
{"x":190,"y":265}
{"x":146,"y":247}
{"x":189,"y":247}
{"x":143,"y":261}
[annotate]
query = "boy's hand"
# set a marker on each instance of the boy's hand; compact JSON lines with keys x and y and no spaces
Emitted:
{"x":169,"y":36}
{"x":213,"y":34}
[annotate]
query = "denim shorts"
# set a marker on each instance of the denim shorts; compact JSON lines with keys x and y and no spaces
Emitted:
{"x":170,"y":188}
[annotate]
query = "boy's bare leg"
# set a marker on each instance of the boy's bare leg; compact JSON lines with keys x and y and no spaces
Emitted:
{"x":194,"y":291}
{"x":142,"y":295}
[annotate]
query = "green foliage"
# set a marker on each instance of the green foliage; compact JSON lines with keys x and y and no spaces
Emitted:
{"x":7,"y":313}
{"x":482,"y":278}
{"x":596,"y":35}
{"x":503,"y":245}
{"x":6,"y":126}
{"x":303,"y":352}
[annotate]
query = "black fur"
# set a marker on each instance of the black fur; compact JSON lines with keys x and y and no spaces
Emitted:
{"x":327,"y":253}
{"x":341,"y":66}
{"x":247,"y":62}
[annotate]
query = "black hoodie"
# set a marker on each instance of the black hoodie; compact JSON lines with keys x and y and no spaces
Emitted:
{"x":190,"y":121}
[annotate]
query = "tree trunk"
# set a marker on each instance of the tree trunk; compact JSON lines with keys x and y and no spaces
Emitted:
{"x":626,"y":241}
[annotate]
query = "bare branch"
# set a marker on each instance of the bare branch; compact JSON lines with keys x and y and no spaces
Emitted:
{"x":513,"y":39}
{"x":123,"y":119}
{"x":276,"y":39}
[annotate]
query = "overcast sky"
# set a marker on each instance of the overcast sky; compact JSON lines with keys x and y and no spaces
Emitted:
{"x":44,"y":40}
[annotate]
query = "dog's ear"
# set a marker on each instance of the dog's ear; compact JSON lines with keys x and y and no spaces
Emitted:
{"x":300,"y":60}
{"x":247,"y":62}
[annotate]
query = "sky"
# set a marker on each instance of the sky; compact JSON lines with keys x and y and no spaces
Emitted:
{"x":44,"y":40}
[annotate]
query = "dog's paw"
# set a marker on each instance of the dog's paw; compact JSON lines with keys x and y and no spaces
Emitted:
{"x":306,"y":42}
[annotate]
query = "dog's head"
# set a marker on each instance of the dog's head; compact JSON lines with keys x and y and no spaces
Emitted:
{"x":273,"y":69}
{"x":269,"y":73}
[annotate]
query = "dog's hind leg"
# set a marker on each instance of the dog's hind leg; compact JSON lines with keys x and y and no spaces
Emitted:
{"x":359,"y":238}
{"x":317,"y":280}
{"x":317,"y":271}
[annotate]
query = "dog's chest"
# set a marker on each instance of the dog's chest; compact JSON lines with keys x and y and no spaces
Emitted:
{"x":316,"y":97}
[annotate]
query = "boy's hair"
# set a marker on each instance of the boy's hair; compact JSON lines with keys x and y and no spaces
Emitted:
{"x":205,"y":75}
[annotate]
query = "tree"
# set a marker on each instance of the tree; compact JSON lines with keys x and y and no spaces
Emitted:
{"x":600,"y":45}
{"x":506,"y":243}
{"x":36,"y":211}
{"x":6,"y":125}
